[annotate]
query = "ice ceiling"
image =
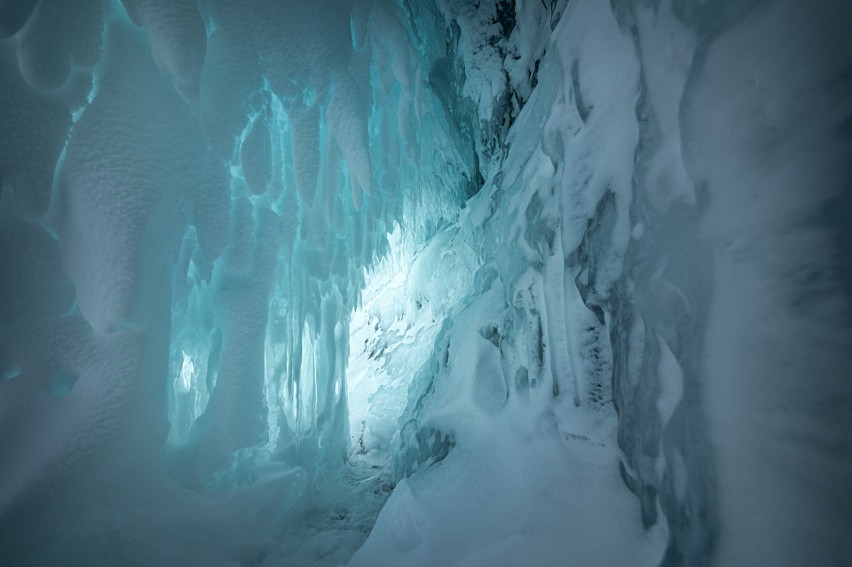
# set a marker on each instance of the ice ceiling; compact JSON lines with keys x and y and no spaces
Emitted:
{"x":425,"y":282}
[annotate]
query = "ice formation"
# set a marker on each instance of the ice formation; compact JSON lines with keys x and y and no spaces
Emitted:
{"x":425,"y":282}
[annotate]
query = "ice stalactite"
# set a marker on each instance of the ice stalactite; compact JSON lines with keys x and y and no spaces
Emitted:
{"x":207,"y":187}
{"x":328,"y":156}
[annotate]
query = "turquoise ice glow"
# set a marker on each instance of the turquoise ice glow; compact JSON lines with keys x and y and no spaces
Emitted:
{"x":321,"y":171}
{"x":425,"y":282}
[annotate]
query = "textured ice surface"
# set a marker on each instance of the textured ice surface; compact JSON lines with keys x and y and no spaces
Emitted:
{"x":511,"y":421}
{"x":191,"y":191}
{"x":632,"y":255}
{"x":494,"y":283}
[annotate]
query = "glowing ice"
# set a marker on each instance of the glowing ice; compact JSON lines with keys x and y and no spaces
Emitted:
{"x":572,"y":276}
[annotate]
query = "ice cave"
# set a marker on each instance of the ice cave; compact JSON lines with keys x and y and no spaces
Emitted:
{"x":425,"y":283}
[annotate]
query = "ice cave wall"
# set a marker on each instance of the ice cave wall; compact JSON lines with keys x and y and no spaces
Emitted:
{"x":190,"y":195}
{"x":665,"y":234}
{"x":654,"y":269}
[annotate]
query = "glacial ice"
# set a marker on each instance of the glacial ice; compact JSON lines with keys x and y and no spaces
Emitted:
{"x":429,"y":282}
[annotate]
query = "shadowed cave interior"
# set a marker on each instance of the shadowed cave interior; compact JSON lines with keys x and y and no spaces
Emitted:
{"x":425,"y":282}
